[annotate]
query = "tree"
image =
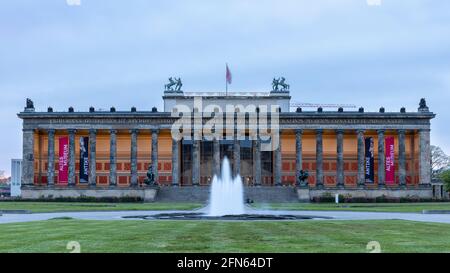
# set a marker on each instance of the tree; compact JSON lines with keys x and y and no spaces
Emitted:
{"x":445,"y":177}
{"x":439,"y":161}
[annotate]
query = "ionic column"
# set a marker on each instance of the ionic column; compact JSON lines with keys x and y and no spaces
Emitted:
{"x":298,"y":153}
{"x":133,"y":159}
{"x":401,"y":158}
{"x":277,"y":165}
{"x":340,"y":158}
{"x":93,"y":157}
{"x":112,"y":158}
{"x":175,"y":162}
{"x":381,"y":158}
{"x":425,"y":157}
{"x":257,"y":161}
{"x":28,"y":157}
{"x":237,"y":157}
{"x":196,"y":163}
{"x":155,"y":133}
{"x":216,"y":156}
{"x":72,"y":157}
{"x":319,"y":158}
{"x":361,"y":150}
{"x":51,"y":158}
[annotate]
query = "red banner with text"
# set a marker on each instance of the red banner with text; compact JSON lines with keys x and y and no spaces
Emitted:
{"x":63,"y":176}
{"x":390,"y":157}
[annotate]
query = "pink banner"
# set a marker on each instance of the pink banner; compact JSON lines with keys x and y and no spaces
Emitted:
{"x":63,"y":176}
{"x":390,"y":157}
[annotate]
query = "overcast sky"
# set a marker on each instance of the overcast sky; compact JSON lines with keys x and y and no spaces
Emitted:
{"x":120,"y":53}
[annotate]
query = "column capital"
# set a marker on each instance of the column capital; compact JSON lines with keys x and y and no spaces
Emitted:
{"x":360,"y":131}
{"x":381,"y":131}
{"x":319,"y":131}
{"x":72,"y":131}
{"x":92,"y":131}
{"x":113,"y":131}
{"x":401,"y":131}
{"x":51,"y":131}
{"x":424,"y":130}
{"x":340,"y":131}
{"x":299,"y":131}
{"x":155,"y":131}
{"x":134,"y":131}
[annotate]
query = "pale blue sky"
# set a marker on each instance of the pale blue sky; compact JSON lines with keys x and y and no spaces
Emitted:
{"x":111,"y":52}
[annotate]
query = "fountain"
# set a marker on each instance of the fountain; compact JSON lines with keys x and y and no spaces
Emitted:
{"x":226,"y":202}
{"x":227,"y":193}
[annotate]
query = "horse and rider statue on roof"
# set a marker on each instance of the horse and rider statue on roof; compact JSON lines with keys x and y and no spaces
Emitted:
{"x":174,"y":84}
{"x":280,"y":82}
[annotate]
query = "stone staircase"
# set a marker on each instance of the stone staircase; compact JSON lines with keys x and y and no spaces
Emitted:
{"x":200,"y":194}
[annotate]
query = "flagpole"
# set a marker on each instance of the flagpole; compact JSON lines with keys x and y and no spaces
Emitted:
{"x":226,"y":81}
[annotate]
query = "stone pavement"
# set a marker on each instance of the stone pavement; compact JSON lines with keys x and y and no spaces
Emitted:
{"x":336,"y":215}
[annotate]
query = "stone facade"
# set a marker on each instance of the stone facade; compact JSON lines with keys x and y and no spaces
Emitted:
{"x":425,"y":193}
{"x":329,"y":144}
{"x":145,"y":194}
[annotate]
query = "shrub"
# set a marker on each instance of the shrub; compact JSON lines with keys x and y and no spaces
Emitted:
{"x":445,"y":177}
{"x":380,"y":199}
{"x":86,"y":199}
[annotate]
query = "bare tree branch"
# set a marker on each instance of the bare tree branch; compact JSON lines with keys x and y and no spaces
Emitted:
{"x":439,"y":161}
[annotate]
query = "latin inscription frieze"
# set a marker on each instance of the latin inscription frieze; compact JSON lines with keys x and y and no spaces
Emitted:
{"x":169,"y":121}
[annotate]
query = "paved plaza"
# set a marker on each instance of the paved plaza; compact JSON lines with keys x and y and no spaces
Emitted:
{"x":335,"y":215}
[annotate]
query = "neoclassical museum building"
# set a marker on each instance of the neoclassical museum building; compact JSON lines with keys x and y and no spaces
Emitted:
{"x":102,"y":153}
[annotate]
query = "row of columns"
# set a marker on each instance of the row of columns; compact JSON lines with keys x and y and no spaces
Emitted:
{"x":424,"y":151}
{"x":28,"y":171}
{"x":424,"y":154}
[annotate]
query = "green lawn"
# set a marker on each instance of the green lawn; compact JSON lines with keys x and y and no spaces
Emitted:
{"x":377,"y":207}
{"x":217,"y":236}
{"x":75,"y":206}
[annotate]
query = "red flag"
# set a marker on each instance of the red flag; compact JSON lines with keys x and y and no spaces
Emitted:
{"x":228,"y":75}
{"x":63,"y":177}
{"x":390,"y":164}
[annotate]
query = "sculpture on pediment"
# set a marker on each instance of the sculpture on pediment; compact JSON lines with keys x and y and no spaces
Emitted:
{"x":423,"y":103}
{"x":174,"y":84}
{"x":280,"y":82}
{"x":29,"y":104}
{"x":423,"y":106}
